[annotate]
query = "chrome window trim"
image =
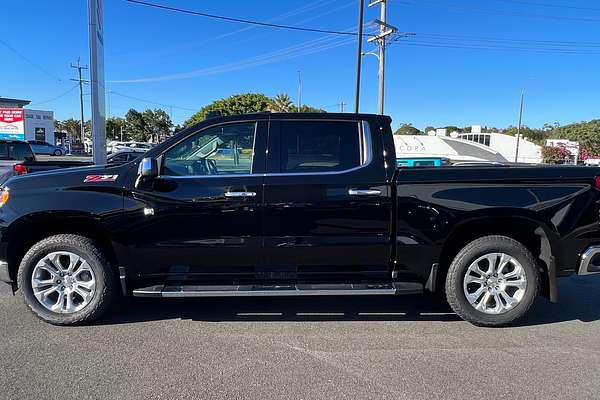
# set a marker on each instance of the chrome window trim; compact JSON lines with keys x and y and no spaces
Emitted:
{"x":366,"y":158}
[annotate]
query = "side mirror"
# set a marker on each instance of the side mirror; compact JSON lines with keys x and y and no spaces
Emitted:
{"x":148,"y":168}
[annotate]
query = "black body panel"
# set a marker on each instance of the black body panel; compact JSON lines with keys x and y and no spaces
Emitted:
{"x":299,"y":227}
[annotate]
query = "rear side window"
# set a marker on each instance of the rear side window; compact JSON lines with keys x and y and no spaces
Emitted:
{"x":19,"y":151}
{"x":319,"y":146}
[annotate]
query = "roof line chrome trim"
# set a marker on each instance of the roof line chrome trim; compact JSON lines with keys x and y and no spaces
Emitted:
{"x":366,"y":156}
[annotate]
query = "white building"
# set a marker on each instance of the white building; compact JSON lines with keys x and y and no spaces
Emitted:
{"x":474,"y":146}
{"x":39,"y":125}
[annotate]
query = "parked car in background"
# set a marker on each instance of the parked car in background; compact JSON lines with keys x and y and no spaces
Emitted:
{"x":41,"y":147}
{"x":123,"y":156}
{"x":140,"y":147}
{"x":18,"y":158}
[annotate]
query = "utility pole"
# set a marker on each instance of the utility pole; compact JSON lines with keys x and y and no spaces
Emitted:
{"x":519,"y":126}
{"x":361,"y":13}
{"x":342,"y":106}
{"x":81,"y":81}
{"x":299,"y":90}
{"x":384,"y":31}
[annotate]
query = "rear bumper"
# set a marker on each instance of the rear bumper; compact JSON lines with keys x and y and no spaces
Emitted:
{"x":589,"y":262}
{"x":4,"y":273}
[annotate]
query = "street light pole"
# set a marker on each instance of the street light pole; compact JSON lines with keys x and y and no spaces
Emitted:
{"x":382,"y":60}
{"x":520,"y":124}
{"x":361,"y":12}
{"x":385,"y":30}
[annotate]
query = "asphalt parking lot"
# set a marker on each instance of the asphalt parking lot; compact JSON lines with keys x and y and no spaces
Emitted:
{"x":304,"y":348}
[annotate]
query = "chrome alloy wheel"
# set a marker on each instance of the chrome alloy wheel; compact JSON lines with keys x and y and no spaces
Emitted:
{"x":63,"y":282}
{"x":495,"y":283}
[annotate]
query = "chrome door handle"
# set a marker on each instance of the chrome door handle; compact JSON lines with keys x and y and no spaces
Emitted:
{"x":240,"y":194}
{"x":364,"y":192}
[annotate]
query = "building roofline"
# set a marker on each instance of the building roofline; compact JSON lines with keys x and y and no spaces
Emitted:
{"x":19,"y":101}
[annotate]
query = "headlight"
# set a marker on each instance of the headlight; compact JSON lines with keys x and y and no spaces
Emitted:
{"x":4,"y":195}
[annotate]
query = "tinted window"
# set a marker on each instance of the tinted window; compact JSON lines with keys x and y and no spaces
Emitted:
{"x":19,"y":151}
{"x":319,"y":146}
{"x":3,"y":151}
{"x":222,"y":150}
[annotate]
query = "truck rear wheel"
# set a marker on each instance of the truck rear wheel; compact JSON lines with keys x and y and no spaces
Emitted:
{"x":493,"y":281}
{"x":66,"y":280}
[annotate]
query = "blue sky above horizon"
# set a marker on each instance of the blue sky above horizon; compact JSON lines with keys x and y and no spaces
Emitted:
{"x":467,"y":63}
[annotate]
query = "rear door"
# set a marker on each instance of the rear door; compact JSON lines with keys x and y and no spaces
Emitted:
{"x":327,"y":204}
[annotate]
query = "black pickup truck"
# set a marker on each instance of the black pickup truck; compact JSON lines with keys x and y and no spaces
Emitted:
{"x":290,"y":205}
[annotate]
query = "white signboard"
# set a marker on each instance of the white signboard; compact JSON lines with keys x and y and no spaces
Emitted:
{"x":96,"y":37}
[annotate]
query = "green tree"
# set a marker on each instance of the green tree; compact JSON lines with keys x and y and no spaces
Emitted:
{"x":150,"y":125}
{"x":586,"y":133}
{"x":537,"y":136}
{"x":113,"y":128}
{"x":158,"y":125}
{"x":309,"y":109}
{"x":407,"y":129}
{"x":136,"y":126}
{"x":237,"y":104}
{"x":452,"y":128}
{"x":429,"y":129}
{"x":70,"y":126}
{"x":281,"y":103}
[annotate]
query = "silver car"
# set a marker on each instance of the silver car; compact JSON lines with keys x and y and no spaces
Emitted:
{"x":41,"y":147}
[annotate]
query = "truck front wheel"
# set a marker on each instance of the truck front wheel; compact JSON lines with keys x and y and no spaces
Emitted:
{"x":66,"y":280}
{"x":493,"y":281}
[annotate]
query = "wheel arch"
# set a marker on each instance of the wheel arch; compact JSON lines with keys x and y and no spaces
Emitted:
{"x":539,"y":238}
{"x":23,"y":233}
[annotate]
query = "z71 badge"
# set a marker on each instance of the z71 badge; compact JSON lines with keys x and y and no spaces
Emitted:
{"x":101,"y":178}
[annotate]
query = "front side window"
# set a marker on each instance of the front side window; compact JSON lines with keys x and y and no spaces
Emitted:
{"x":319,"y":146}
{"x":221,"y":150}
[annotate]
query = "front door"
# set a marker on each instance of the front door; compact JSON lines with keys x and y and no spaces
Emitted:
{"x":327,"y":204}
{"x":206,"y":205}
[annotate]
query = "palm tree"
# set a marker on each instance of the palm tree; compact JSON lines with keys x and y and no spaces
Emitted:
{"x":281,"y":103}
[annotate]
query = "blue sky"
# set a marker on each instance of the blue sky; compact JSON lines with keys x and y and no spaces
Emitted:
{"x":467,"y":63}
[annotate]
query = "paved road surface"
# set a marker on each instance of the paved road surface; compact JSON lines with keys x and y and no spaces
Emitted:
{"x":304,"y":348}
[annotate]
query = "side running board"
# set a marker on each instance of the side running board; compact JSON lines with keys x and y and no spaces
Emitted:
{"x":280,"y":290}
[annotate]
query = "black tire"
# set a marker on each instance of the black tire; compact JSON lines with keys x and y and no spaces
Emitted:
{"x":106,"y":283}
{"x":57,"y":152}
{"x":456,"y":273}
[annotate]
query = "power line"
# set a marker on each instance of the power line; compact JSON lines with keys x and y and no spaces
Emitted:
{"x":152,"y":102}
{"x":294,"y":51}
{"x":55,"y":98}
{"x":501,"y":13}
{"x":451,"y":45}
{"x":569,"y":44}
{"x":30,"y":62}
{"x":537,"y":4}
{"x":244,"y":21}
{"x":305,"y":8}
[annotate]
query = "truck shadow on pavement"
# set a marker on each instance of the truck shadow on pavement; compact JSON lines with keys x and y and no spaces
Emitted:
{"x":579,"y":300}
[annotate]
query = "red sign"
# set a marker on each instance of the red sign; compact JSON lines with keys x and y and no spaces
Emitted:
{"x":12,"y":115}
